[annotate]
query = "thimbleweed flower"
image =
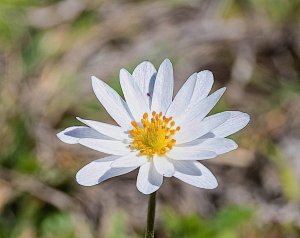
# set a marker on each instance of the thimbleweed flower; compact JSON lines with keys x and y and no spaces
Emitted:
{"x":160,"y":136}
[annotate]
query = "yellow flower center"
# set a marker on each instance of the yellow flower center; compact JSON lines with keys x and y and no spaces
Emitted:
{"x":154,"y":136}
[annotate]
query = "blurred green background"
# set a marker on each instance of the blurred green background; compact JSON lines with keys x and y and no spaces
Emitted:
{"x":48,"y":51}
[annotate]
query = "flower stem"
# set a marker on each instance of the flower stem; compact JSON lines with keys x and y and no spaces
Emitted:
{"x":151,"y":216}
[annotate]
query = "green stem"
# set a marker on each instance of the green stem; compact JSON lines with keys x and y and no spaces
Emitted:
{"x":151,"y":216}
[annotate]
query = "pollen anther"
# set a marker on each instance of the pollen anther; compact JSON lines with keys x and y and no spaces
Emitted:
{"x":153,"y":136}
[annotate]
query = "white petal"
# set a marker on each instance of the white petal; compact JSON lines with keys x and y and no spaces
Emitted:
{"x":71,"y":135}
{"x":130,"y":160}
{"x":163,"y":88}
{"x":148,"y":180}
{"x":112,"y":102}
{"x":112,"y":131}
{"x":100,"y":170}
{"x":137,"y":104}
{"x":182,"y":98}
{"x":145,"y":74}
{"x":204,"y":83}
{"x":196,"y":88}
{"x":163,"y":166}
{"x":187,"y":167}
{"x":217,"y":145}
{"x":113,"y":147}
{"x":200,"y":108}
{"x":236,"y":122}
{"x":197,"y":128}
{"x":204,"y":179}
{"x":190,"y":153}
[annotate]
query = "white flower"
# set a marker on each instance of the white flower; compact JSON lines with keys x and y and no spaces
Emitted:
{"x":160,"y":136}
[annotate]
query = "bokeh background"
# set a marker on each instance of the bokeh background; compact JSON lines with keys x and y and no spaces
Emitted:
{"x":48,"y":51}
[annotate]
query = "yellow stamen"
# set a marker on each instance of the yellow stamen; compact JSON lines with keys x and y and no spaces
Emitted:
{"x":153,"y":136}
{"x":134,"y":124}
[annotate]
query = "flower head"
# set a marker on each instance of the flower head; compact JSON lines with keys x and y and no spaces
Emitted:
{"x":161,"y":136}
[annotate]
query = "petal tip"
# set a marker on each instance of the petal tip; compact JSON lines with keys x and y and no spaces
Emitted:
{"x":214,"y":185}
{"x":65,"y":138}
{"x":95,"y":82}
{"x":235,"y":145}
{"x":167,"y":61}
{"x":205,"y":72}
{"x":123,"y":71}
{"x":124,"y":74}
{"x":81,"y":181}
{"x":94,"y":79}
{"x":79,"y":119}
{"x":145,"y":62}
{"x":248,"y":117}
{"x":60,"y":134}
{"x":146,"y":192}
